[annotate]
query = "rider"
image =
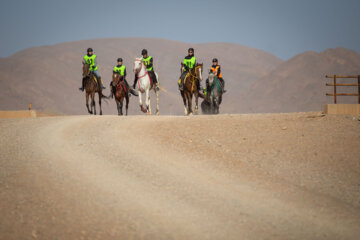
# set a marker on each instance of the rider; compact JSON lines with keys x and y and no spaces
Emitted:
{"x":90,"y":59}
{"x":121,"y":70}
{"x":188,"y":65}
{"x":216,"y":69}
{"x":148,"y":61}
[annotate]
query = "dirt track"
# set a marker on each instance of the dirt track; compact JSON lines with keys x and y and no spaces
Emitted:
{"x":273,"y":176}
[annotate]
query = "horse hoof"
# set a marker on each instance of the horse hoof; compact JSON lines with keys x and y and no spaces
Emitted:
{"x":157,"y":113}
{"x":190,"y":114}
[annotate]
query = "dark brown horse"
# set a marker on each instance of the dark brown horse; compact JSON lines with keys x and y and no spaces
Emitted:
{"x":91,"y":87}
{"x":121,"y":92}
{"x":190,"y":88}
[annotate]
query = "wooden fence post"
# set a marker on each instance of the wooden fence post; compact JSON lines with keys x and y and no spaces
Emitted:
{"x":335,"y":89}
{"x":359,"y":87}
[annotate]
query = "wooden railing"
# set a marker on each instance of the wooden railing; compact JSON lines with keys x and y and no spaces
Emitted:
{"x":335,"y":94}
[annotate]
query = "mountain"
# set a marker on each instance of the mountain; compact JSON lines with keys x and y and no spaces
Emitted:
{"x":299,"y":83}
{"x":49,"y":76}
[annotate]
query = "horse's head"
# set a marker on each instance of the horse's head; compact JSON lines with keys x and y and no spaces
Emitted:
{"x":86,"y":70}
{"x":211,"y":78}
{"x":198,"y":71}
{"x":115,"y":78}
{"x":137,"y":65}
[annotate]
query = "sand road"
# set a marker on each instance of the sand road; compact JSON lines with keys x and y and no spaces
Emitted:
{"x":265,"y":176}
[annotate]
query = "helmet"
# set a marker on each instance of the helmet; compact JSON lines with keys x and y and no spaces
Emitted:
{"x":214,"y":60}
{"x":191,"y":50}
{"x":89,"y":50}
{"x":119,"y":60}
{"x":144,"y":51}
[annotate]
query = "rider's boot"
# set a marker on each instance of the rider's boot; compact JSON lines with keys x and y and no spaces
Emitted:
{"x":100,"y":84}
{"x":131,"y":90}
{"x":83,"y":83}
{"x":198,"y":86}
{"x":155,"y":81}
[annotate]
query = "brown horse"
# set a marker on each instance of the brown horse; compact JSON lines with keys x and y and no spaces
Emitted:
{"x":120,"y":93}
{"x":91,"y":87}
{"x":190,"y":88}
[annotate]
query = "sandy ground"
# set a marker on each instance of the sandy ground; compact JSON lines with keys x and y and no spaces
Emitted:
{"x":266,"y":176}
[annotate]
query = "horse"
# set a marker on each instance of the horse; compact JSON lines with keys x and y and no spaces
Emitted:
{"x":144,"y":84}
{"x":120,"y":93}
{"x":190,"y":88}
{"x":91,"y":87}
{"x":215,"y":94}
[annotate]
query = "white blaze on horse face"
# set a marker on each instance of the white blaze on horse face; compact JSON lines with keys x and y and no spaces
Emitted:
{"x":200,"y":70}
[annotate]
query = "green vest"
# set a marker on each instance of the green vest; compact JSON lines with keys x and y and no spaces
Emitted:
{"x":120,"y":70}
{"x":190,"y":63}
{"x":147,"y":62}
{"x":91,"y":62}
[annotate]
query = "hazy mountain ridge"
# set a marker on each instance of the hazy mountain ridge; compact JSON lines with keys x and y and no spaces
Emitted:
{"x":49,"y":76}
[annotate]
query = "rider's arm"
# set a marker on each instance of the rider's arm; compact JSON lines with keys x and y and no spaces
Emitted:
{"x":125,"y":72}
{"x":151,"y":63}
{"x":218,"y":72}
{"x":95,"y":62}
{"x":193,"y":61}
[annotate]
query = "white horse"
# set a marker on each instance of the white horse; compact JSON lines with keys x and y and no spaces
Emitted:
{"x":144,"y":84}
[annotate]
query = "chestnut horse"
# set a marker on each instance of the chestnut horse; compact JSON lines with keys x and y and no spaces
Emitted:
{"x":91,"y":87}
{"x":190,"y":88}
{"x":120,"y":93}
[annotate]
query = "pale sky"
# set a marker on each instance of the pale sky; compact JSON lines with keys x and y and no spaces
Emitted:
{"x":282,"y":27}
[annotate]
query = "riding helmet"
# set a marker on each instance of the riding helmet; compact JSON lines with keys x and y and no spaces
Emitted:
{"x":144,"y":51}
{"x":214,"y":60}
{"x":89,"y":50}
{"x":119,"y":60}
{"x":191,"y":50}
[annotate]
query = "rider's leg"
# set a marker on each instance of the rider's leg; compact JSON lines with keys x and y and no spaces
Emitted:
{"x":198,"y":88}
{"x":154,"y":79}
{"x":131,"y":90}
{"x":112,"y":88}
{"x":101,"y":86}
{"x":135,"y":80}
{"x":181,"y":85}
{"x":83,"y":85}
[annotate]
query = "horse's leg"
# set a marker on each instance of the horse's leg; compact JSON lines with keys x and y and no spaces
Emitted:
{"x":157,"y":102}
{"x":87,"y":103}
{"x":196,"y":103}
{"x":117,"y":106}
{"x":140,"y":103}
{"x":93,"y":101}
{"x":121,"y":106}
{"x":147,"y":101}
{"x":100,"y":102}
{"x":190,"y":104}
{"x":127,"y":104}
{"x":184,"y":100}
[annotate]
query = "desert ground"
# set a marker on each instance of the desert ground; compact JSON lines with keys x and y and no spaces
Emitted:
{"x":246,"y":176}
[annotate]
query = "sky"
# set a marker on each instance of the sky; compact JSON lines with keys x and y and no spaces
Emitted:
{"x":284,"y":28}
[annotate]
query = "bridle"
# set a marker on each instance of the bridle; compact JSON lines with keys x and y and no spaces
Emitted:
{"x":139,"y":69}
{"x":195,"y":77}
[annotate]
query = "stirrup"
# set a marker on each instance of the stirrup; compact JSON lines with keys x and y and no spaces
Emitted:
{"x":81,"y":89}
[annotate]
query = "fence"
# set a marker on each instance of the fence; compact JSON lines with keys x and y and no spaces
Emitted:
{"x":335,"y":94}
